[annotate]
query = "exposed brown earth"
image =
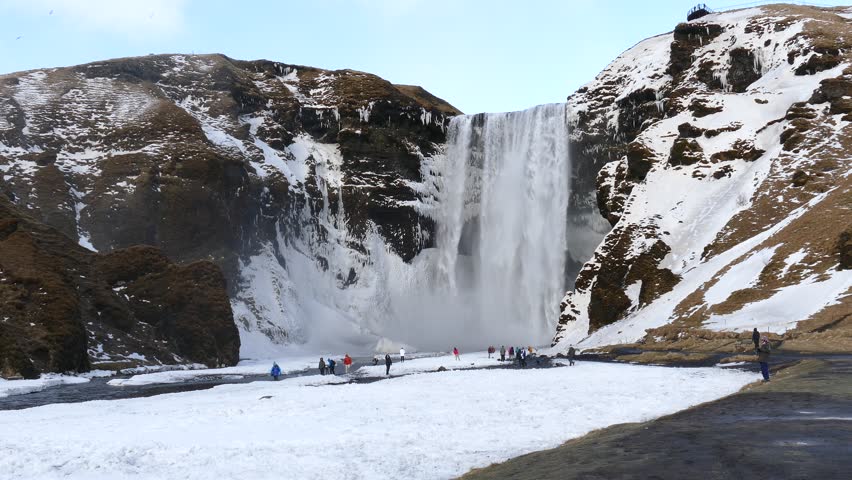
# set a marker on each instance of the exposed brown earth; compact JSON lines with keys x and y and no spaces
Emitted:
{"x":64,"y":308}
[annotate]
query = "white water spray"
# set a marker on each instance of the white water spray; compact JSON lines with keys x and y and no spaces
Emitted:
{"x":499,"y":199}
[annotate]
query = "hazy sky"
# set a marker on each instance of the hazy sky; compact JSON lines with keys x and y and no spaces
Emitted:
{"x":479,"y":55}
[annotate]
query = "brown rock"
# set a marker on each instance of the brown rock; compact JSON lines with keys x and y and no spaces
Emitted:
{"x":685,"y":152}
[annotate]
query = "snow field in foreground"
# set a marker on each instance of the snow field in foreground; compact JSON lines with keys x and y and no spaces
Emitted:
{"x":427,"y":426}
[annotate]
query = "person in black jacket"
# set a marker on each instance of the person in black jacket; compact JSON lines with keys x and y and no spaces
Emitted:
{"x":571,"y":353}
{"x":755,"y":337}
{"x":388,"y":363}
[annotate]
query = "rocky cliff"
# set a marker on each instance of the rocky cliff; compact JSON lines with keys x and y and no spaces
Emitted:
{"x":64,"y":308}
{"x":263,"y":168}
{"x":724,"y":167}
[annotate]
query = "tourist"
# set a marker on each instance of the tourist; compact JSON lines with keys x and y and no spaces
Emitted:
{"x":456,"y":353}
{"x":763,"y":357}
{"x":322,"y":366}
{"x":388,"y":363}
{"x":523,"y":358}
{"x":511,"y":351}
{"x":755,"y":337}
{"x":571,"y":353}
{"x":276,"y":371}
{"x":347,"y":363}
{"x":331,"y":364}
{"x":502,"y":353}
{"x":490,"y":350}
{"x":375,"y":360}
{"x":402,"y":354}
{"x":518,"y":356}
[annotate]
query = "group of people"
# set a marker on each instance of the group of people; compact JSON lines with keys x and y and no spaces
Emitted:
{"x":328,"y":366}
{"x":515,"y":354}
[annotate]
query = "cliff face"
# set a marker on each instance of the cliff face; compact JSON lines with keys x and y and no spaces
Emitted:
{"x":260,"y":167}
{"x":722,"y":150}
{"x":64,"y":308}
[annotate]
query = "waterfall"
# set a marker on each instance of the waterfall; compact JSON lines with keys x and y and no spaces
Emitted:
{"x":499,"y":200}
{"x":498,"y":196}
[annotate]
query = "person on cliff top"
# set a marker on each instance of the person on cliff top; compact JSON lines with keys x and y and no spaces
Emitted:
{"x":523,"y":358}
{"x":511,"y":351}
{"x":502,"y":353}
{"x":388,"y":363}
{"x":322,"y":366}
{"x":763,"y":357}
{"x":456,"y":353}
{"x":518,"y":356}
{"x":331,"y":364}
{"x":402,"y":354}
{"x":755,"y":337}
{"x":347,"y":363}
{"x":571,"y":354}
{"x":276,"y":371}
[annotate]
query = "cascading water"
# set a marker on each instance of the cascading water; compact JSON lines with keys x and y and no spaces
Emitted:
{"x":499,"y":199}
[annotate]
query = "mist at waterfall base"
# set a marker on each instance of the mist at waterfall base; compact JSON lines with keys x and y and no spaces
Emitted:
{"x":498,"y":197}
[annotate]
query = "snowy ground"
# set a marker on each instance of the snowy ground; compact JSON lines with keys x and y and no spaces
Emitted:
{"x":21,"y":387}
{"x":415,"y":363}
{"x":431,"y":364}
{"x":423,"y":426}
{"x":250,"y":367}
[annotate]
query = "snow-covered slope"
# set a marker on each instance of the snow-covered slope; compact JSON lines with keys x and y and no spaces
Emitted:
{"x":725,"y":171}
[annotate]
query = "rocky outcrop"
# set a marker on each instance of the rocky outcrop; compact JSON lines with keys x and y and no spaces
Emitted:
{"x":249,"y":164}
{"x":66,"y":309}
{"x":744,"y":150}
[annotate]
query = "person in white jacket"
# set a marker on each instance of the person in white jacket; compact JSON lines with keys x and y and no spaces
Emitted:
{"x":402,"y":354}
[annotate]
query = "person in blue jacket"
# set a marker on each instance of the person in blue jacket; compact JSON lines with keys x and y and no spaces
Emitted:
{"x":331,"y":364}
{"x":276,"y":371}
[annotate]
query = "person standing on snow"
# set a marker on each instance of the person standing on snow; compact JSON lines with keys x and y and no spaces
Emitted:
{"x":388,"y":363}
{"x":456,"y":353}
{"x":402,"y":354}
{"x":502,"y":353}
{"x":755,"y":337}
{"x":518,"y":356}
{"x":347,"y":362}
{"x":276,"y":371}
{"x":571,"y":353}
{"x":511,"y":351}
{"x":763,"y":357}
{"x":523,"y":358}
{"x":331,"y":364}
{"x":322,"y":366}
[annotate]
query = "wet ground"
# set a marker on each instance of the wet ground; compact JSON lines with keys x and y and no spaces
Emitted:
{"x":797,"y":426}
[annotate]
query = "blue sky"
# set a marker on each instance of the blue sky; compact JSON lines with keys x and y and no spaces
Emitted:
{"x":480,"y":55}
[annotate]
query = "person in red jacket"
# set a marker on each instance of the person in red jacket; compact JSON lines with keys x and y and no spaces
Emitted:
{"x":347,"y":362}
{"x":456,"y":353}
